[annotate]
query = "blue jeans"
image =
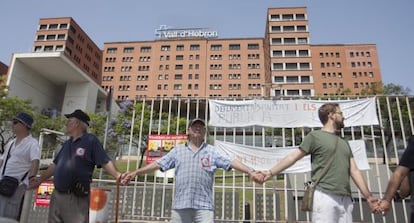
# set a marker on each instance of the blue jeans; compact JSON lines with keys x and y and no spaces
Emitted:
{"x":189,"y":215}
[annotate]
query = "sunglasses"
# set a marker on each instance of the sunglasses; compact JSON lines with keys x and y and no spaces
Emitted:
{"x":15,"y":122}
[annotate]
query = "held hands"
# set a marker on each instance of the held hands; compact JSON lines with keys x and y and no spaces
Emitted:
{"x":127,"y":177}
{"x":34,"y":182}
{"x":383,"y":206}
{"x":373,"y":204}
{"x":260,"y":176}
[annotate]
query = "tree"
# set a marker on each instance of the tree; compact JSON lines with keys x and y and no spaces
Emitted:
{"x":3,"y":87}
{"x":123,"y":122}
{"x":395,"y":89}
{"x":374,"y":89}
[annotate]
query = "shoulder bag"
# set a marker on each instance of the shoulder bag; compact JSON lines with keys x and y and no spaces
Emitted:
{"x":8,"y":185}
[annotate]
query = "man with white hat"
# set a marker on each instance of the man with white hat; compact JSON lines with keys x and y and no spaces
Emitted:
{"x":20,"y":161}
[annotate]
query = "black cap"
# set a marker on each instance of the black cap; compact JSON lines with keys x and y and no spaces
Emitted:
{"x":196,"y":120}
{"x":79,"y":114}
{"x":24,"y":118}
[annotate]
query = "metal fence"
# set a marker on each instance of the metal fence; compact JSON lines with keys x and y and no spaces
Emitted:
{"x":237,"y":199}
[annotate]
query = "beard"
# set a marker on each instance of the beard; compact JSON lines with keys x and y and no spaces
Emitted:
{"x":339,"y":124}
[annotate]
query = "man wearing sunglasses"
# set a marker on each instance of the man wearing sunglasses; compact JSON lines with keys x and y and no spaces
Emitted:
{"x":20,"y":160}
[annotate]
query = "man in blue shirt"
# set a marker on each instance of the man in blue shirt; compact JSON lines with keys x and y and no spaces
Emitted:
{"x":72,"y":169}
{"x":195,"y":164}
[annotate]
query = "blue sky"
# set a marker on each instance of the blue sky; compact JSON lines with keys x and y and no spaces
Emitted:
{"x":383,"y":22}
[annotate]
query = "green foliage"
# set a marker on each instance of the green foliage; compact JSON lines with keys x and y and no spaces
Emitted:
{"x":374,"y":89}
{"x":395,"y":89}
{"x":3,"y":87}
{"x":98,"y":126}
{"x":45,"y":122}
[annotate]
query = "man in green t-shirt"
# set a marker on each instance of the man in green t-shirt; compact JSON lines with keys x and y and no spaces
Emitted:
{"x":333,"y":193}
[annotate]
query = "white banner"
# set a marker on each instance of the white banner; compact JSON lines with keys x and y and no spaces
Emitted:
{"x":263,"y":158}
{"x":360,"y":154}
{"x":287,"y":114}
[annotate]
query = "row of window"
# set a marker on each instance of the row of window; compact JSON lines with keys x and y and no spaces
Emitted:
{"x":234,"y":76}
{"x":287,"y":17}
{"x":178,"y":87}
{"x":290,"y":28}
{"x":292,"y":79}
{"x":166,"y":76}
{"x":354,"y":74}
{"x":360,"y":54}
{"x":290,"y":53}
{"x":330,"y":64}
{"x":234,"y":86}
{"x":290,"y":92}
{"x":361,"y":64}
{"x":341,"y":85}
{"x":234,"y":66}
{"x":48,"y":48}
{"x":329,"y":54}
{"x":59,"y":48}
{"x":291,"y":66}
{"x":51,"y":37}
{"x":190,"y":87}
{"x":329,"y":75}
{"x":289,"y":40}
{"x":180,"y":77}
{"x":181,"y":67}
{"x":193,"y":47}
{"x":332,"y":85}
{"x":351,"y":54}
{"x":53,"y":26}
{"x":363,"y":74}
{"x":181,"y":57}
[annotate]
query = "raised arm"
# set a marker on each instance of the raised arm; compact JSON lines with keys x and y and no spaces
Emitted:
{"x":253,"y":174}
{"x":285,"y":163}
{"x":110,"y":168}
{"x":146,"y":169}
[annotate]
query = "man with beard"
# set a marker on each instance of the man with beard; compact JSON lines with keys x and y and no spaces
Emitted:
{"x":195,"y":164}
{"x":332,"y":200}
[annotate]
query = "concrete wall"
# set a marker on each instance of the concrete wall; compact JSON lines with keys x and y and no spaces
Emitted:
{"x":27,"y":84}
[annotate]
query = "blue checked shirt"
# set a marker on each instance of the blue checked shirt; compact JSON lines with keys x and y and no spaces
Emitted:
{"x":194,"y":174}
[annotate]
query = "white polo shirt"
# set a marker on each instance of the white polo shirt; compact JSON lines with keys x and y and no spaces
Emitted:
{"x":21,"y":157}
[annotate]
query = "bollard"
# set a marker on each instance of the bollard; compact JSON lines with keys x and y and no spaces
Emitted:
{"x":99,"y":205}
{"x":246,"y":212}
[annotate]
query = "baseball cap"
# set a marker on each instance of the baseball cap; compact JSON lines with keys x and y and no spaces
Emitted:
{"x":79,"y":114}
{"x":196,"y":120}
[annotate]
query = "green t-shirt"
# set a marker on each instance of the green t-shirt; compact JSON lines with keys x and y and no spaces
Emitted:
{"x":319,"y":144}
